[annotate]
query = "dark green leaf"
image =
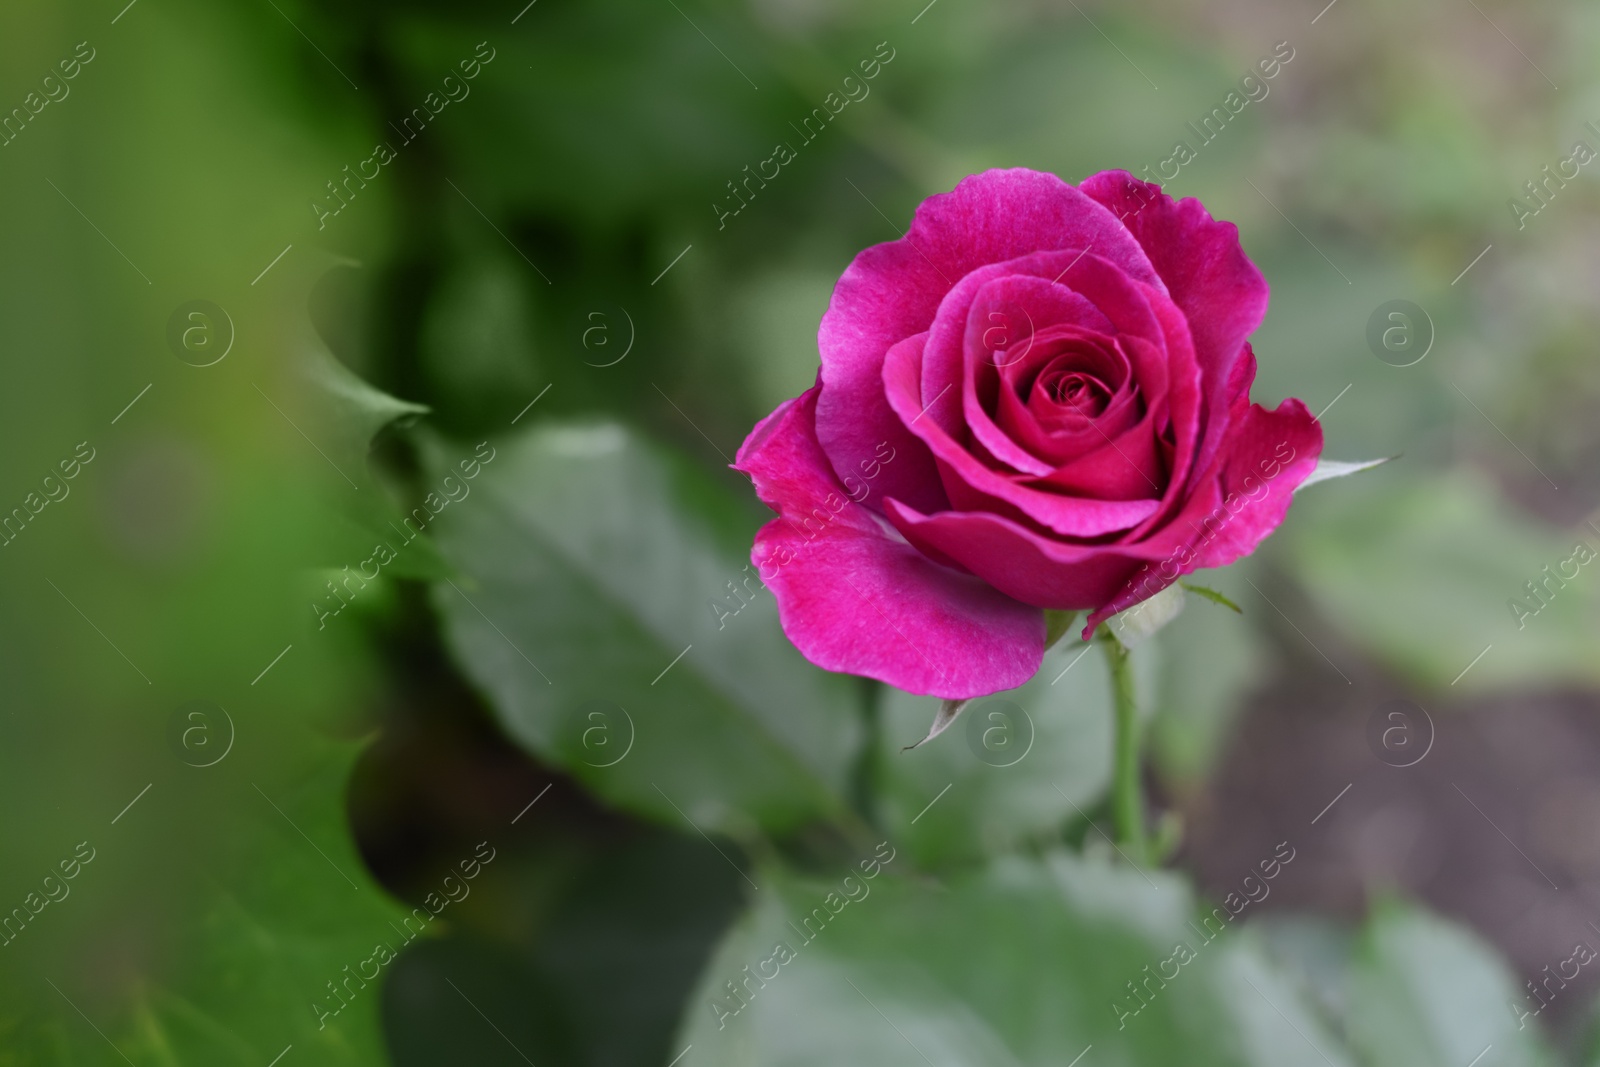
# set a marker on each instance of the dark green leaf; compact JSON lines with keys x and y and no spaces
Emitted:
{"x":618,"y":635}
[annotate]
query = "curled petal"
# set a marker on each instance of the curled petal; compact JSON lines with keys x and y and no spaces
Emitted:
{"x":970,"y":484}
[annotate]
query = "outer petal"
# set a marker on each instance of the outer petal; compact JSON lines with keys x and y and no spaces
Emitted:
{"x":1236,"y":505}
{"x":891,"y":291}
{"x":853,"y":596}
{"x":1221,"y":293}
{"x":1243,"y":499}
{"x":1018,"y":561}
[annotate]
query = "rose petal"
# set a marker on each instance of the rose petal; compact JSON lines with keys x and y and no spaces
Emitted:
{"x":1221,"y":293}
{"x":1243,"y":498}
{"x":892,"y":290}
{"x":1272,"y":452}
{"x":972,"y":485}
{"x":1127,"y":466}
{"x":855,"y":597}
{"x":1031,"y":567}
{"x":1065,"y":439}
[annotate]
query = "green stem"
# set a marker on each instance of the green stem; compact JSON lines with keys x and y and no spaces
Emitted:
{"x":1127,"y":796}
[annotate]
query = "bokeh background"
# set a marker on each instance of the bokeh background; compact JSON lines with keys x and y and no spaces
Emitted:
{"x":542,"y":788}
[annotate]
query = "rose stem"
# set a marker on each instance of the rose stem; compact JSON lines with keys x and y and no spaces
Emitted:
{"x":1127,"y":796}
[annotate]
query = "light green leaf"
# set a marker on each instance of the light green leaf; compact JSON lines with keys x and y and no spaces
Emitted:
{"x":1020,"y":765}
{"x":1207,"y":668}
{"x":1027,"y":962}
{"x":225,"y":891}
{"x":338,"y":412}
{"x":1428,"y":993}
{"x":618,"y":632}
{"x":1433,"y":577}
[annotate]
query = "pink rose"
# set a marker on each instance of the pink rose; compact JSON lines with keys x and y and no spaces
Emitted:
{"x":1038,"y":398}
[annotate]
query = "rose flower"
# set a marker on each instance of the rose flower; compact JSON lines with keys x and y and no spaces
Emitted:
{"x":1038,"y":398}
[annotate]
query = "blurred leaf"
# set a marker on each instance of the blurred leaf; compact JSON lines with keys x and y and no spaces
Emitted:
{"x":477,"y":347}
{"x":602,"y":983}
{"x":344,"y":411}
{"x":337,"y":414}
{"x":657,"y":92}
{"x":355,"y":410}
{"x":1424,"y":574}
{"x":1019,"y":765}
{"x":598,"y":612}
{"x":228,"y":949}
{"x":1028,"y":962}
{"x":466,"y":1000}
{"x":266,"y":923}
{"x":1207,"y":668}
{"x":1427,"y":993}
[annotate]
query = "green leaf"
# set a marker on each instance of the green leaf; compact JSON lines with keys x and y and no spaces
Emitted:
{"x":1328,"y":469}
{"x":604,"y":953}
{"x":225,"y":891}
{"x":477,"y":344}
{"x":1020,"y":765}
{"x":353,"y":411}
{"x":1206,"y":672}
{"x":601,"y":577}
{"x":1390,"y":564}
{"x":337,"y":412}
{"x":1428,"y":993}
{"x":254,"y":931}
{"x":1212,"y":595}
{"x":1026,"y":962}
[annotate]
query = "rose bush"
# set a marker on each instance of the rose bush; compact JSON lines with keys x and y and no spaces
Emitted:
{"x":1038,"y":398}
